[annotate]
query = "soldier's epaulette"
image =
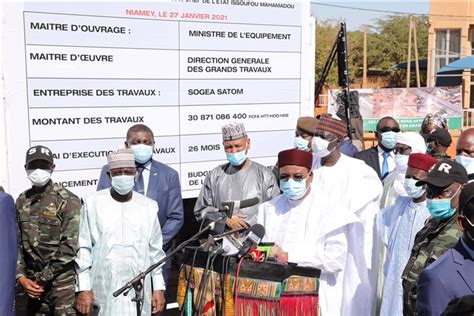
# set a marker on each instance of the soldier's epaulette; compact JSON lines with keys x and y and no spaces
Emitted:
{"x":61,"y":191}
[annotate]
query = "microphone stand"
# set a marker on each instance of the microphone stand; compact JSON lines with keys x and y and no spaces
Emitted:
{"x":137,"y":284}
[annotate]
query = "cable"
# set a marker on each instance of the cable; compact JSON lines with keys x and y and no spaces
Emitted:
{"x":188,"y":280}
{"x":392,"y":12}
{"x":202,"y":285}
{"x":236,"y":280}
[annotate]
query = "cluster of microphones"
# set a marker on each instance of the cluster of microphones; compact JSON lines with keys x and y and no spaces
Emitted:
{"x":240,"y":242}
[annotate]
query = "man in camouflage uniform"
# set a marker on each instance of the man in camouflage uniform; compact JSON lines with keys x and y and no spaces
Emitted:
{"x":48,"y":222}
{"x":444,"y":183}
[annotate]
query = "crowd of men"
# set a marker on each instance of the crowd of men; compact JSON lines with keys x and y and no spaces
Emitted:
{"x":391,"y":228}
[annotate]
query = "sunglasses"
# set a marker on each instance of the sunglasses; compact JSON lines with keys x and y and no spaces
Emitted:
{"x":389,"y":129}
{"x":401,"y":149}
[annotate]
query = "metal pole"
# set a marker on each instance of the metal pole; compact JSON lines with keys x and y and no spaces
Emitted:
{"x":416,"y":56}
{"x":364,"y":75}
{"x":409,"y":55}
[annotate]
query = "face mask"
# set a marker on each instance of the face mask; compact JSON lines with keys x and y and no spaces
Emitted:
{"x":320,"y":147}
{"x":123,"y":184}
{"x":429,"y":150}
{"x":237,"y":159}
{"x":293,"y":190}
{"x":466,"y":162}
{"x":388,"y":139}
{"x":412,"y":190}
{"x":401,"y":162}
{"x":440,"y":208}
{"x":301,"y":143}
{"x":142,"y":152}
{"x":38,"y":177}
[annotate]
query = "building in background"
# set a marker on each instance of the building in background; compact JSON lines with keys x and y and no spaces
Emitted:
{"x":451,"y":37}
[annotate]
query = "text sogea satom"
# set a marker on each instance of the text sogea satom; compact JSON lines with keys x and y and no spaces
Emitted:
{"x":213,"y":92}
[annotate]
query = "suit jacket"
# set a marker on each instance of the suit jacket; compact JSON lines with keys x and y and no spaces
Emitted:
{"x":371,"y":158}
{"x":164,"y":188}
{"x":8,"y":253}
{"x":449,"y":277}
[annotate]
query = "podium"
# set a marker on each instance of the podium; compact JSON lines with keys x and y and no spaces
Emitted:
{"x":244,"y":287}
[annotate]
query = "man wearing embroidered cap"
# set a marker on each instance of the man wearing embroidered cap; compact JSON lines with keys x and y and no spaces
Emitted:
{"x":309,"y":231}
{"x":347,"y":185}
{"x":398,"y":225}
{"x":444,"y":183}
{"x":155,"y":180}
{"x":237,"y":180}
{"x":120,"y":236}
{"x":48,"y":223}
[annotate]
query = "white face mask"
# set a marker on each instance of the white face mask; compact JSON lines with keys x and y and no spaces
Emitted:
{"x":123,"y":184}
{"x":38,"y":177}
{"x":320,"y":147}
{"x":401,"y":162}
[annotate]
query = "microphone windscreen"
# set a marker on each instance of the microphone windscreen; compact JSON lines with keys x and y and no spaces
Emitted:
{"x":256,"y":233}
{"x":249,"y":202}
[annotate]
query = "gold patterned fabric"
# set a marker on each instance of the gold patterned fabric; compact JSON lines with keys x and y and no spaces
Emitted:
{"x":295,"y":296}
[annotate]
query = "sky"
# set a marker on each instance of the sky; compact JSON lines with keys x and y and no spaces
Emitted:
{"x":355,"y":19}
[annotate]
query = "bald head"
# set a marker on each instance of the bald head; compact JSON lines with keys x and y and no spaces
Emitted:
{"x":465,"y":144}
{"x":387,"y":121}
{"x":139,"y":128}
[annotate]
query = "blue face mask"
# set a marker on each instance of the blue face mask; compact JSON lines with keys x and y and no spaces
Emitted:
{"x":237,"y":159}
{"x":142,"y":152}
{"x":293,"y":190}
{"x":123,"y":184}
{"x":301,"y":143}
{"x":440,"y":208}
{"x":412,"y":190}
{"x":388,"y":139}
{"x":466,"y":162}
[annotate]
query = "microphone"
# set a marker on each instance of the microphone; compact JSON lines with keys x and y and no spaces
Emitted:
{"x":217,"y":222}
{"x":255,"y":235}
{"x":230,"y":206}
{"x":247,"y":203}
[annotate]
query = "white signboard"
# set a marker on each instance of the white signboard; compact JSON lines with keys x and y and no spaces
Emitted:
{"x":78,"y":75}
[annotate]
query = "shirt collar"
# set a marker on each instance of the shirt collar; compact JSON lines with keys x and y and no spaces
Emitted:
{"x":468,"y":249}
{"x":381,"y":151}
{"x":146,"y":166}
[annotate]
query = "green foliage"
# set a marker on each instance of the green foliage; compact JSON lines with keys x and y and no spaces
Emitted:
{"x":387,"y":45}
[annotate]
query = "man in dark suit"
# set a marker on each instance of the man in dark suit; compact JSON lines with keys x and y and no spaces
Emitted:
{"x":8,"y":251}
{"x":155,"y":180}
{"x":451,"y":276}
{"x":381,"y":157}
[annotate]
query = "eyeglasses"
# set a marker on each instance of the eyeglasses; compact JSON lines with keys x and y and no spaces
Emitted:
{"x":401,"y":149}
{"x":389,"y":129}
{"x":296,"y":177}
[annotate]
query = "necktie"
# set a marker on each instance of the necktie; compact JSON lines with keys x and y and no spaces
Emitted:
{"x":140,"y":184}
{"x":385,"y":164}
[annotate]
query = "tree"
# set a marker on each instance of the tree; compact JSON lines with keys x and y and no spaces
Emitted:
{"x":387,"y":43}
